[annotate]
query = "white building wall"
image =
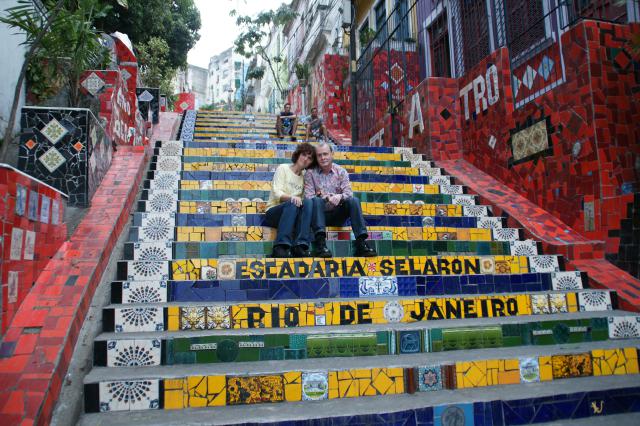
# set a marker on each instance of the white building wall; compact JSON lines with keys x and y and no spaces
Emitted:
{"x":12,"y":54}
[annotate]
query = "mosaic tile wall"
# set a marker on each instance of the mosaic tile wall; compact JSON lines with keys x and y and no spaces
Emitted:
{"x":328,"y":92}
{"x":115,"y":105}
{"x":185,"y":101}
{"x":33,"y":229}
{"x":221,"y":390}
{"x":582,"y":171}
{"x":66,"y":148}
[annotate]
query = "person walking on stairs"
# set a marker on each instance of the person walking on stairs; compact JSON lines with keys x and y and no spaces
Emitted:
{"x":287,"y":209}
{"x":329,"y":187}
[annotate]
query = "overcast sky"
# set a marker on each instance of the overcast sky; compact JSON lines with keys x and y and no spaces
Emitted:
{"x":219,"y":29}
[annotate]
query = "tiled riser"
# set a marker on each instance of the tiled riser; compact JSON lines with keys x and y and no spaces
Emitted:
{"x":197,"y":219}
{"x":348,"y":313}
{"x":242,"y":290}
{"x":260,"y":347}
{"x":338,"y":248}
{"x":360,"y":177}
{"x":208,"y":391}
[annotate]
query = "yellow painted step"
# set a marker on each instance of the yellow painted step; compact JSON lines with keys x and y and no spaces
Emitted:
{"x":268,"y":153}
{"x":257,"y":185}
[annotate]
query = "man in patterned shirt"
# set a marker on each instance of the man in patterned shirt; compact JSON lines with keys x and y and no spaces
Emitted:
{"x":328,"y":185}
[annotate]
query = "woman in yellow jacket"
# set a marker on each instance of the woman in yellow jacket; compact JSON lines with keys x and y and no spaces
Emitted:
{"x":287,"y":208}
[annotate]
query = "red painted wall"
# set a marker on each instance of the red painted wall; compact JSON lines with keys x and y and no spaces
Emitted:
{"x":32,"y":232}
{"x":185,"y":101}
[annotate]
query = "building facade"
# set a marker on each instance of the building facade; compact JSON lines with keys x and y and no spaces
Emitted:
{"x":226,"y":77}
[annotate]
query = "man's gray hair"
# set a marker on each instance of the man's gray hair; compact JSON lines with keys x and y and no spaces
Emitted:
{"x":324,"y":143}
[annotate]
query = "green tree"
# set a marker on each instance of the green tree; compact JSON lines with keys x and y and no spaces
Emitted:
{"x":63,"y":43}
{"x":253,"y":38}
{"x":175,"y":21}
{"x":155,"y":66}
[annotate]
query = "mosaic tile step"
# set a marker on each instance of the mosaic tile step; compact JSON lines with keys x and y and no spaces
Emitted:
{"x":279,"y":145}
{"x":268,"y":176}
{"x":364,"y":197}
{"x":271,"y":153}
{"x":396,"y":209}
{"x":146,"y":352}
{"x":284,"y":385}
{"x":556,"y":401}
{"x":372,"y":220}
{"x":243,"y":248}
{"x":210,"y":289}
{"x":287,"y":160}
{"x":380,"y":266}
{"x":344,"y":312}
{"x":265,"y":233}
{"x":426,"y":170}
{"x":355,"y":186}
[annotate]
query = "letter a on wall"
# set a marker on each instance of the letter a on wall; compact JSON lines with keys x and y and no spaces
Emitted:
{"x":415,"y":117}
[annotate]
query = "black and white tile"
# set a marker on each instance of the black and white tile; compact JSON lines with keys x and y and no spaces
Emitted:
{"x":129,"y":395}
{"x":594,"y":300}
{"x":566,"y":280}
{"x":133,"y":353}
{"x":138,"y":319}
{"x":144,"y":291}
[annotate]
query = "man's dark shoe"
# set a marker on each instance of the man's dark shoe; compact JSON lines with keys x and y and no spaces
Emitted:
{"x":300,"y":251}
{"x":363,"y":249}
{"x":293,"y":139}
{"x":281,"y":251}
{"x":321,"y":249}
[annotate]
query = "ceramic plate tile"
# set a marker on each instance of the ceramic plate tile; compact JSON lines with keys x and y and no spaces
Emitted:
{"x":315,"y":385}
{"x":144,"y":291}
{"x":529,"y":370}
{"x":133,"y":353}
{"x":544,"y":263}
{"x":54,"y":131}
{"x":505,"y":234}
{"x":451,"y":189}
{"x":129,"y":395}
{"x":463,"y":200}
{"x":477,"y":211}
{"x":147,"y":270}
{"x":377,"y":286}
{"x":440,"y":180}
{"x":566,"y":280}
{"x":165,"y":181}
{"x":539,"y":304}
{"x":52,"y":159}
{"x":162,"y":202}
{"x":156,"y":229}
{"x":523,"y":248}
{"x":152,"y":252}
{"x":558,"y":303}
{"x":428,"y":171}
{"x":594,"y":300}
{"x":429,"y":378}
{"x":169,"y":164}
{"x":138,"y":319}
{"x":170,"y":151}
{"x":624,"y":327}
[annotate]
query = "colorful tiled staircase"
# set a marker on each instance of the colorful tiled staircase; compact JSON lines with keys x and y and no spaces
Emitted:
{"x":201,"y":317}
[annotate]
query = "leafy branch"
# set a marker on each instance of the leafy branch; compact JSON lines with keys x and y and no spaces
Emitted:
{"x":253,"y":39}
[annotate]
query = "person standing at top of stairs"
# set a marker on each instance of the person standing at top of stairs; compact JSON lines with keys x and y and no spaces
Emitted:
{"x":287,"y":123}
{"x":329,"y":187}
{"x":287,"y":209}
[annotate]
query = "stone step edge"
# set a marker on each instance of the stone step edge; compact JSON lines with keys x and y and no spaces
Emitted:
{"x":398,"y":409}
{"x":468,"y":323}
{"x":407,"y":361}
{"x":393,"y":340}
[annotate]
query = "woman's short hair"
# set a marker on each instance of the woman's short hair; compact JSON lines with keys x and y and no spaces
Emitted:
{"x":304,"y":148}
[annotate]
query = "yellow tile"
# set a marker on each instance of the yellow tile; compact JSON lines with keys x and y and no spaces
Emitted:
{"x":173,"y":400}
{"x":333,"y":385}
{"x":546,"y":369}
